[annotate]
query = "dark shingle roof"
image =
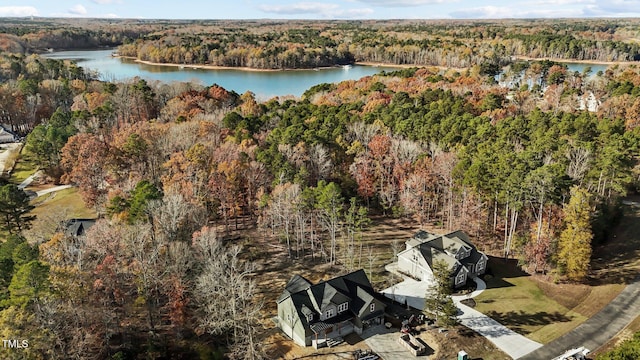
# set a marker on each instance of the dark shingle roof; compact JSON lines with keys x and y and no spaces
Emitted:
{"x":296,"y":284}
{"x":312,"y":299}
{"x":77,"y":227}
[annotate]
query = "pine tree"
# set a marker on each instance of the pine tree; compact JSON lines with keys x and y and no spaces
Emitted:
{"x":574,"y":252}
{"x":14,"y":207}
{"x":438,"y":301}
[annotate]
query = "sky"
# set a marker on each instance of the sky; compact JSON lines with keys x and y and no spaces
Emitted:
{"x":321,"y":9}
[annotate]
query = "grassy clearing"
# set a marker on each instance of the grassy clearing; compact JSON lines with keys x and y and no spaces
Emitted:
{"x":379,"y":238}
{"x":68,"y":199}
{"x":514,"y":299}
{"x":543,"y":310}
{"x":23,"y":168}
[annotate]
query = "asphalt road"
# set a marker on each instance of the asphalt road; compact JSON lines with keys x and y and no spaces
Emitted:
{"x":599,"y":329}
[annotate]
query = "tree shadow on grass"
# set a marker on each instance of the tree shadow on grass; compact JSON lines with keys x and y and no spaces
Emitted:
{"x":516,"y":320}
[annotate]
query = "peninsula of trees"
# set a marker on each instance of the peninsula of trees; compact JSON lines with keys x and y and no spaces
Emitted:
{"x":271,"y":44}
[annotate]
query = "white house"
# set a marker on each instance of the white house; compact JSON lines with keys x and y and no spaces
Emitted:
{"x":455,"y":249}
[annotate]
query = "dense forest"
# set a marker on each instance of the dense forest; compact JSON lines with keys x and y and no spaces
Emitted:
{"x":178,"y":172}
{"x":266,"y":45}
{"x":271,"y":44}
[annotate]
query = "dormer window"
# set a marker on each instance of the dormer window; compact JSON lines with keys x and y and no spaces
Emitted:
{"x":328,"y":314}
{"x":343,"y":307}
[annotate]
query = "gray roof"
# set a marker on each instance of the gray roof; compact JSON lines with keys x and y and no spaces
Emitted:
{"x":296,"y":284}
{"x":474,"y":257}
{"x":432,"y":254}
{"x":77,"y":227}
{"x":308,"y":299}
{"x":7,"y":136}
{"x":435,"y":247}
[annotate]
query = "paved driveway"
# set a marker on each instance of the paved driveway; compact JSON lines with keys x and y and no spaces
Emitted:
{"x":53,"y":189}
{"x":596,"y":331}
{"x":409,"y":292}
{"x":512,"y":343}
{"x":5,"y":151}
{"x":384,"y":342}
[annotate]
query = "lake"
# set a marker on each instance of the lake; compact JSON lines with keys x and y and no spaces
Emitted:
{"x":265,"y":84}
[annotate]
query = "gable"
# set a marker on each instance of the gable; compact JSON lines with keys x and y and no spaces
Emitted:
{"x":454,"y":248}
{"x":353,"y":288}
{"x":296,"y":284}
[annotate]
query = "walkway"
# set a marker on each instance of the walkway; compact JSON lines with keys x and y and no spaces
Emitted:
{"x":38,"y":173}
{"x":53,"y":189}
{"x":599,"y":329}
{"x":29,"y":180}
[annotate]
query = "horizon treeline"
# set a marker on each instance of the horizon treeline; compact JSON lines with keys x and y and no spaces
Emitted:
{"x":280,"y":44}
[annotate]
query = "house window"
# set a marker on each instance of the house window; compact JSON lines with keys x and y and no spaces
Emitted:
{"x":343,"y":307}
{"x":460,"y":278}
{"x":480,"y":265}
{"x":310,"y":317}
{"x":328,"y":314}
{"x":372,"y":307}
{"x":289,"y":318}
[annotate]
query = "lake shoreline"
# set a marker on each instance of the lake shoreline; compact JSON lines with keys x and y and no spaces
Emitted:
{"x":596,"y":62}
{"x":265,"y":84}
{"x":246,"y":68}
{"x":218,"y":67}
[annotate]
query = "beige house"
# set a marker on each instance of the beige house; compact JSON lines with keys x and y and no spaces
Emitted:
{"x":455,"y":249}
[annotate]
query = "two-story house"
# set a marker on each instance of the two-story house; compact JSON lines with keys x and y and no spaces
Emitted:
{"x":311,"y":314}
{"x":455,"y":249}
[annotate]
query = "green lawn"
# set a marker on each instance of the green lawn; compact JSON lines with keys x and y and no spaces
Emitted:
{"x":64,"y":200}
{"x":24,"y":168}
{"x":514,"y":299}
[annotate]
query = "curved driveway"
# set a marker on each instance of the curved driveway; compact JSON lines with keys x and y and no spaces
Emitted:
{"x":599,"y":329}
{"x":505,"y":339}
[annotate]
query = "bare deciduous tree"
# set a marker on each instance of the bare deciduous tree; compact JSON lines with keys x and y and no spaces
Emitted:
{"x":226,"y":295}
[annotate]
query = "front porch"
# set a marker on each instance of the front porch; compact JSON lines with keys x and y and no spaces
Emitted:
{"x":326,"y":334}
